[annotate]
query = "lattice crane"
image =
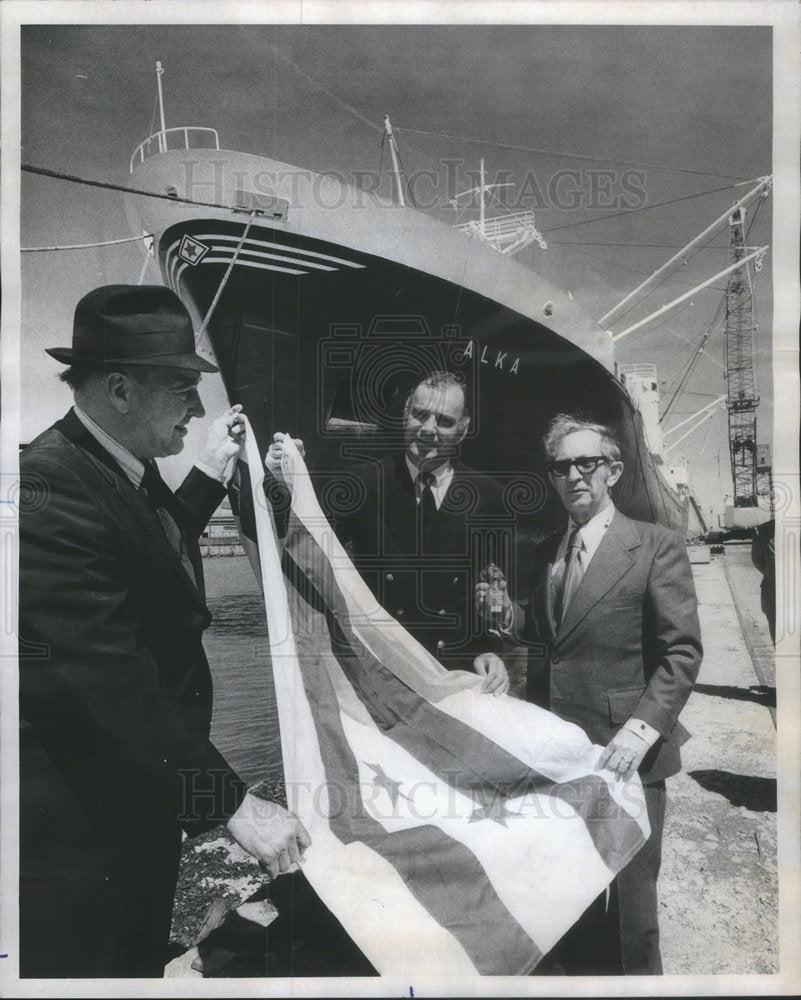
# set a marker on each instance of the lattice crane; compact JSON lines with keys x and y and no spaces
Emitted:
{"x":742,"y":393}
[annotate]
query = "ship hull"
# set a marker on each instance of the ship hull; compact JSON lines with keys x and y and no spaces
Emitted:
{"x":324,"y":310}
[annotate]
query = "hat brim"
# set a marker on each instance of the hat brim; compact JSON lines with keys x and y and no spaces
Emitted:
{"x":189,"y":362}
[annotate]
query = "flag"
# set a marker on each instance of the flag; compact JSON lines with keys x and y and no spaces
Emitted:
{"x":453,"y":832}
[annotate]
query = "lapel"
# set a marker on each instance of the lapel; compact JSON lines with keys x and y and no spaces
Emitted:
{"x":398,"y":510}
{"x":611,"y":561}
{"x":397,"y":507}
{"x":460,"y":483}
{"x":75,"y":432}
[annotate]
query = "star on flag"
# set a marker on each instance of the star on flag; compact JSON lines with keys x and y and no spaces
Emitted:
{"x":390,"y":786}
{"x":495,"y":810}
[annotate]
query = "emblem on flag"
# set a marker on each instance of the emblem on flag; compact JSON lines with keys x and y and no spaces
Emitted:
{"x":192,"y":250}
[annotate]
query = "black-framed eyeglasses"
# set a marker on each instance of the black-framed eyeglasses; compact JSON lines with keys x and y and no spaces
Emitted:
{"x":585,"y":464}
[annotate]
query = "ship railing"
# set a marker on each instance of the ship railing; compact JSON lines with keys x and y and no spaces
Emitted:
{"x":647,"y":370}
{"x":501,"y":225}
{"x":506,"y":233}
{"x":181,"y":137}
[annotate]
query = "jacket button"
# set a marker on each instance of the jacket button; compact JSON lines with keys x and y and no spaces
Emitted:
{"x":399,"y":612}
{"x":555,"y":659}
{"x":389,"y":577}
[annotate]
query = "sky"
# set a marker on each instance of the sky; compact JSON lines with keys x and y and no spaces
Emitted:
{"x":587,"y":123}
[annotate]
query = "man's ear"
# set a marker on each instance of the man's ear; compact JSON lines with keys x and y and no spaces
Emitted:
{"x":615,"y":472}
{"x":465,"y":425}
{"x":118,"y":391}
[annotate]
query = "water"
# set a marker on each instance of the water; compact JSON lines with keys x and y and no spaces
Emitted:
{"x":245,"y":721}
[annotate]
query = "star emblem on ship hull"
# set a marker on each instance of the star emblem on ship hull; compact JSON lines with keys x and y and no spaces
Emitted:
{"x":192,"y":250}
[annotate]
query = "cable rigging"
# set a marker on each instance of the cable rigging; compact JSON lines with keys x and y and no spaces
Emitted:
{"x":568,"y":156}
{"x":88,"y":246}
{"x":642,"y":208}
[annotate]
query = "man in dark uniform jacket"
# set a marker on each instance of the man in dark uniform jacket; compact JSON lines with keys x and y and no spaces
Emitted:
{"x":424,"y":527}
{"x":612,"y":623}
{"x":115,"y":689}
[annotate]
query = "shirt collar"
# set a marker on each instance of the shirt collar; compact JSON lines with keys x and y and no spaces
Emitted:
{"x":593,"y":531}
{"x":440,"y":473}
{"x":130,"y":464}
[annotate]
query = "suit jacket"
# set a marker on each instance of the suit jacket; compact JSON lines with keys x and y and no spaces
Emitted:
{"x":427,"y":583}
{"x":629,"y":643}
{"x":114,"y":683}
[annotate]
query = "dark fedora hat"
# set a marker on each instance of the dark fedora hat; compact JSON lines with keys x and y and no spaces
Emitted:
{"x":134,"y":325}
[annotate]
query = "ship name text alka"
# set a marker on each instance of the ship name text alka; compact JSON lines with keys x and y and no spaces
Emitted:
{"x":486,"y":357}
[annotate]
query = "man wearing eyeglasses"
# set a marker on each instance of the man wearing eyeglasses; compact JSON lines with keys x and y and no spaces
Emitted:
{"x":615,"y":648}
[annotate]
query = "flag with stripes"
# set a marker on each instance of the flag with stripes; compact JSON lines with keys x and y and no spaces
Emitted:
{"x":453,"y":832}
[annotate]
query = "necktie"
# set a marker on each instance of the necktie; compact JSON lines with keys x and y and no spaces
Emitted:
{"x":571,"y":577}
{"x":428,"y":505}
{"x":161,"y":499}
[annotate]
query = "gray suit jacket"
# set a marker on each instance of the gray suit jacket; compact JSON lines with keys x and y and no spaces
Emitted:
{"x":629,"y":643}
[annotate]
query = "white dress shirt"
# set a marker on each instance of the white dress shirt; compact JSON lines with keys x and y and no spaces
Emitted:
{"x":130,"y":464}
{"x":443,"y":475}
{"x":590,"y":534}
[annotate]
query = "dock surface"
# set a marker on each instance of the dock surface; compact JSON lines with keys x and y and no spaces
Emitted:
{"x":719,"y":884}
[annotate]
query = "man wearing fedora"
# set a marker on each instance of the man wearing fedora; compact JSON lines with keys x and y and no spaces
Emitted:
{"x":115,"y":690}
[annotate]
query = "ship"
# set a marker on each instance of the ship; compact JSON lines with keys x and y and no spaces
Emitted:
{"x":323,"y":304}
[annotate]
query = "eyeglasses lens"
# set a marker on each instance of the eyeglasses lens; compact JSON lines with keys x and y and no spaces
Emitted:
{"x":585,"y":465}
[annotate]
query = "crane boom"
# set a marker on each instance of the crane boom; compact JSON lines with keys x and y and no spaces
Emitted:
{"x":742,"y":397}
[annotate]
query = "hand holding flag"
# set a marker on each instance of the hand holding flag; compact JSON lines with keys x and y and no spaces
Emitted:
{"x":274,"y":837}
{"x":453,"y":833}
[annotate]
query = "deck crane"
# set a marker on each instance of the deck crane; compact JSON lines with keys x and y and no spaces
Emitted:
{"x":750,"y":462}
{"x":742,"y":392}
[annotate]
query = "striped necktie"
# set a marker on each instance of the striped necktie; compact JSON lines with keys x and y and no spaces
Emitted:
{"x":571,"y":578}
{"x":160,"y":499}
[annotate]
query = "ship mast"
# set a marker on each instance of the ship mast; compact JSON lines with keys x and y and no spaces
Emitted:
{"x":508,"y":234}
{"x":393,"y":152}
{"x":163,"y":135}
{"x":482,"y":191}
